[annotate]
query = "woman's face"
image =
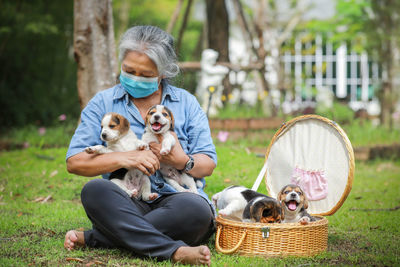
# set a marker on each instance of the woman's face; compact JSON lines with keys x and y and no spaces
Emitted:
{"x":139,"y":64}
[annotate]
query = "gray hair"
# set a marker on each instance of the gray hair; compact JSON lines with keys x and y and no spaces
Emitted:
{"x":157,"y":44}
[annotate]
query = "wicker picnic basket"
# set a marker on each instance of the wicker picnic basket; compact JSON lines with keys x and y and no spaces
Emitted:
{"x":315,"y":145}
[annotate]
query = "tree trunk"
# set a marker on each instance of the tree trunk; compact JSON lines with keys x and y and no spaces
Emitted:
{"x":183,"y":25}
{"x":218,"y":34}
{"x":94,"y":47}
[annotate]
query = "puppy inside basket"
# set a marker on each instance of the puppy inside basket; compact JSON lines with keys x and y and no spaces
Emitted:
{"x":242,"y":204}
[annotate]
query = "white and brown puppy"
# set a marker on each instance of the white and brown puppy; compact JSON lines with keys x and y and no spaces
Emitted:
{"x":116,"y":132}
{"x":160,"y":121}
{"x":241,"y":203}
{"x":295,"y":204}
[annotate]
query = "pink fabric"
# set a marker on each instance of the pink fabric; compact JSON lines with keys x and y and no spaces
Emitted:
{"x":313,"y":183}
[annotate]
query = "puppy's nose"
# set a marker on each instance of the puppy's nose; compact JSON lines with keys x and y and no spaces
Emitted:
{"x":293,"y":194}
{"x":156,"y":117}
{"x":104,"y":135}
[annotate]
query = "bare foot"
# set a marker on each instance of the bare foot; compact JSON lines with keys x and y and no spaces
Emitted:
{"x":200,"y":255}
{"x":74,"y":239}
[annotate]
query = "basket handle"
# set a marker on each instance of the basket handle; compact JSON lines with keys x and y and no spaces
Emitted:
{"x":232,"y":250}
{"x":260,"y":177}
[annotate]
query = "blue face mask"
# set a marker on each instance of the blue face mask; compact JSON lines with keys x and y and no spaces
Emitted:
{"x":137,"y":86}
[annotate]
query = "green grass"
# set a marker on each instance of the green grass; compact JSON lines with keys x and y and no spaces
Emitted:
{"x":32,"y":233}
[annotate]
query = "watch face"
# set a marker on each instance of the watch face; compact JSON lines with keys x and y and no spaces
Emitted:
{"x":189,"y":164}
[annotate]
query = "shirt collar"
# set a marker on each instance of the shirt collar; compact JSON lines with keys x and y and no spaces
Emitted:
{"x":120,"y":92}
{"x":168,"y":90}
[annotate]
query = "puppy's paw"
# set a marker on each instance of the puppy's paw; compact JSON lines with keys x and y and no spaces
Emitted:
{"x":134,"y":193}
{"x":224,"y":212}
{"x":165,"y":151}
{"x":142,"y":145}
{"x":93,"y":149}
{"x":151,"y":196}
{"x":304,"y":220}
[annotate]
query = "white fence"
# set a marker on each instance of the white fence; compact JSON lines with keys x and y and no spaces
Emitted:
{"x":349,"y":75}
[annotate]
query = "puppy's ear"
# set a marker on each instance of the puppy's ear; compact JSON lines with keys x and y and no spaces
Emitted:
{"x":256,"y":212}
{"x":280,"y":194}
{"x":305,"y":206}
{"x":171,"y":115}
{"x":147,"y":117}
{"x":305,"y":200}
{"x":282,"y":211}
{"x":122,"y":122}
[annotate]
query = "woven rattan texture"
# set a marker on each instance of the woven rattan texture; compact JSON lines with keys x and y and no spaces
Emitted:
{"x":283,"y":240}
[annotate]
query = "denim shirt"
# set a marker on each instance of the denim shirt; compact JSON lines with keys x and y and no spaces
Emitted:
{"x":191,"y":126}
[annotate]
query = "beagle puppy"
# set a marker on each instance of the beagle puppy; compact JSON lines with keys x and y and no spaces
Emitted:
{"x":160,"y":121}
{"x":295,"y":204}
{"x":116,"y":132}
{"x":243,"y":204}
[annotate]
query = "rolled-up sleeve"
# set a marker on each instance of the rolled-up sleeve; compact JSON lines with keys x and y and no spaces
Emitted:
{"x":198,"y":129}
{"x":88,"y":131}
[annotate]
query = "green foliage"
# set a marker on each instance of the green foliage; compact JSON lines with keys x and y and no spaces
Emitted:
{"x":38,"y":74}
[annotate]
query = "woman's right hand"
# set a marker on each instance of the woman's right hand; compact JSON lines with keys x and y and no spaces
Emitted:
{"x":144,"y":160}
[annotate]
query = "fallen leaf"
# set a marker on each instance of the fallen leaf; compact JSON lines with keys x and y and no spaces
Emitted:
{"x":49,"y":197}
{"x":51,"y":232}
{"x":53,"y":173}
{"x":42,"y":199}
{"x":20,"y":214}
{"x":74,"y":259}
{"x":38,"y":199}
{"x":227,"y":180}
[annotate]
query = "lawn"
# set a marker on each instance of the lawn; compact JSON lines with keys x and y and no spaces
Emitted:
{"x":40,"y":201}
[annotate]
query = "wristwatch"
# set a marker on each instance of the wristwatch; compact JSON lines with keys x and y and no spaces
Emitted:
{"x":189,"y":164}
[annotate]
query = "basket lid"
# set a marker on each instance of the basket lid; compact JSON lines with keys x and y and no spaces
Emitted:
{"x":315,"y":153}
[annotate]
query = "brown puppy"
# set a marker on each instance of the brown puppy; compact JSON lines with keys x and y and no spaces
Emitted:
{"x":294,"y":203}
{"x":241,"y":203}
{"x":160,"y":122}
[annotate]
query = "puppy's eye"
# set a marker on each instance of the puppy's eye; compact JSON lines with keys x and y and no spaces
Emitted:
{"x":299,"y":193}
{"x":165,"y":114}
{"x":112,"y":126}
{"x":286,"y":192}
{"x":152,"y":112}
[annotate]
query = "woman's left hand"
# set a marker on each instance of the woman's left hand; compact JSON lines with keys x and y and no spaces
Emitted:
{"x":176,"y":158}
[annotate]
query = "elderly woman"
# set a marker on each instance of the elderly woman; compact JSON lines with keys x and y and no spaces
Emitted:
{"x":175,"y":224}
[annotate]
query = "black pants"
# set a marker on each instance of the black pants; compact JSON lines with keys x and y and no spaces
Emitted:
{"x":155,"y":230}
